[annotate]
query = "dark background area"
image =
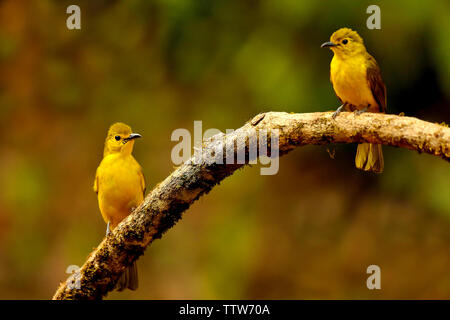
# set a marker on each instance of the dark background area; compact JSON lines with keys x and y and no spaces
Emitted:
{"x":308,"y":232}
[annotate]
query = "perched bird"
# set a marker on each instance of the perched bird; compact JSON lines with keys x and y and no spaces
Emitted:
{"x":357,"y":82}
{"x":120,"y":186}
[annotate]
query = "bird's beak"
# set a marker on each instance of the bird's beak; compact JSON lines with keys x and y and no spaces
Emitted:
{"x":328,"y":44}
{"x":132,"y":136}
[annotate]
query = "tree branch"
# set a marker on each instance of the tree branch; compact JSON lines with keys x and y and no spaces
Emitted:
{"x":164,"y":205}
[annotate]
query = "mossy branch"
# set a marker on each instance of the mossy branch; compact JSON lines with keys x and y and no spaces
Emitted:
{"x":164,"y":205}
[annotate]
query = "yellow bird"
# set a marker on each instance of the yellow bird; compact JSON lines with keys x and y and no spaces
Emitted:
{"x":120,"y":186}
{"x":357,"y":82}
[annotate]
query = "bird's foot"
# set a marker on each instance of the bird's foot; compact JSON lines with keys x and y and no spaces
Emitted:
{"x":338,"y":110}
{"x":358,"y":112}
{"x":108,"y":231}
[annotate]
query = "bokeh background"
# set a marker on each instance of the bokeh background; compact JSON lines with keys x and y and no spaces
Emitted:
{"x":308,"y":232}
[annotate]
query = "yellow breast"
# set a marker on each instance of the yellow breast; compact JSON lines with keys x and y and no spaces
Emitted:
{"x":350,"y":81}
{"x":119,"y":187}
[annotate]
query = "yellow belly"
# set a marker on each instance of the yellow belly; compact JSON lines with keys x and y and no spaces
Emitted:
{"x":119,"y":189}
{"x":350,"y":83}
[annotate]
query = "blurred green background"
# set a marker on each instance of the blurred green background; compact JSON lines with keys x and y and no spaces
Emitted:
{"x":308,"y":232}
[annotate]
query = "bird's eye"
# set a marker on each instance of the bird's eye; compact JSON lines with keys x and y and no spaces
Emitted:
{"x":117,"y":138}
{"x":345,"y":41}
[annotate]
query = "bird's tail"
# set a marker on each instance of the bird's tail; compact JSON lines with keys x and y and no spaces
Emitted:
{"x":129,"y":279}
{"x":369,"y":157}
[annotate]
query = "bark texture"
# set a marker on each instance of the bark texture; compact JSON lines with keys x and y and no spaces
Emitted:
{"x":164,"y":205}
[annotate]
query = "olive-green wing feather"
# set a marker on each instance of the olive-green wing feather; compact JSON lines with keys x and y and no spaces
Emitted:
{"x":376,"y":83}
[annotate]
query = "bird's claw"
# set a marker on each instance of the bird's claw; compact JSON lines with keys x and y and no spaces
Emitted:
{"x":338,"y":110}
{"x":358,"y":112}
{"x":108,"y":231}
{"x":335,"y":114}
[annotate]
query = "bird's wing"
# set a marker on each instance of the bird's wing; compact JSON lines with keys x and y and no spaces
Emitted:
{"x":376,"y":83}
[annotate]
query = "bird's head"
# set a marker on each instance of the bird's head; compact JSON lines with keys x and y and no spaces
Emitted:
{"x":120,"y":139}
{"x":345,"y":43}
